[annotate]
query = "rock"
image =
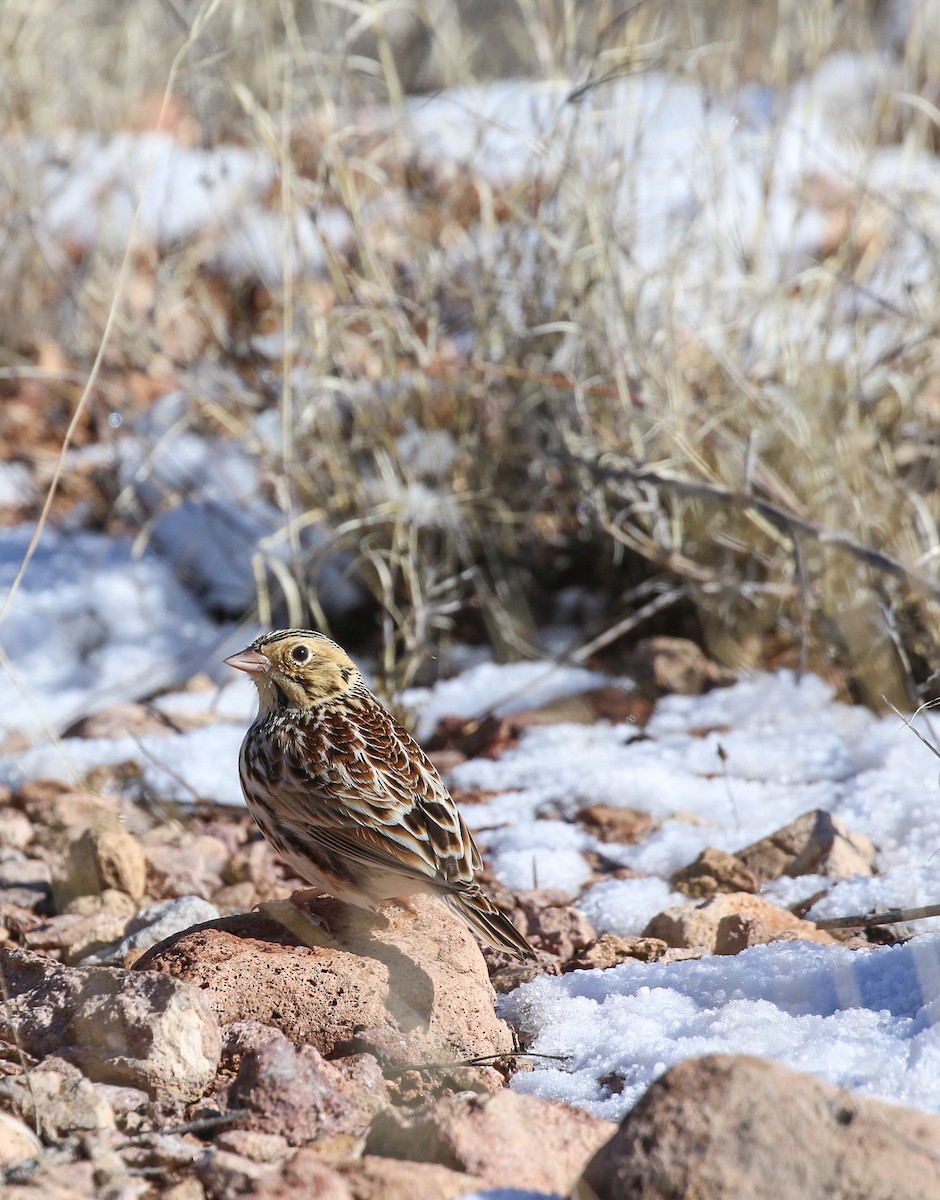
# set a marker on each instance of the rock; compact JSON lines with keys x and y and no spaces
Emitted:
{"x":363,"y":1076}
{"x":180,"y":870}
{"x":233,"y":898}
{"x":294,"y":1093}
{"x":186,"y":1189}
{"x":16,"y":920}
{"x":59,"y":1181}
{"x":168,"y":1151}
{"x":139,"y":1029}
{"x":257,"y":863}
{"x":712,"y":872}
{"x":372,"y":1178}
{"x":259,"y":1147}
{"x":87,"y":923}
{"x":154,"y":924}
{"x":226,"y":1176}
{"x":547,"y":918}
{"x":407,"y":987}
{"x":506,"y":978}
{"x":132,"y":1107}
{"x":410,"y":1089}
{"x":54,"y":805}
{"x":17,"y":1141}
{"x":726,"y":1127}
{"x":624,"y":826}
{"x":16,"y":829}
{"x":56,"y":1099}
{"x":667,"y":665}
{"x":506,"y":1139}
{"x":610,"y":949}
{"x":305,"y":1177}
{"x":110,"y":901}
{"x":817,"y":843}
{"x":25,"y":882}
{"x":75,"y":935}
{"x":102,"y":857}
{"x":718,"y":923}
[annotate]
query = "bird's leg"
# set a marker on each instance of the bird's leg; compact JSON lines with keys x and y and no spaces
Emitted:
{"x":297,"y":918}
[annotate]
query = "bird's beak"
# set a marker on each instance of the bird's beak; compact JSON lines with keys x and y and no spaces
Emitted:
{"x":252,"y":661}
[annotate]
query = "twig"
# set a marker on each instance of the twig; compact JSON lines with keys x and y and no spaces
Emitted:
{"x":200,"y":1125}
{"x":480,"y":1061}
{"x":788,"y":522}
{"x":888,"y":917}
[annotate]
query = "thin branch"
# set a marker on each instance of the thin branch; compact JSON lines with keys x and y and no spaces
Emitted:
{"x":781,"y":518}
{"x":481,"y":1060}
{"x":889,"y":916}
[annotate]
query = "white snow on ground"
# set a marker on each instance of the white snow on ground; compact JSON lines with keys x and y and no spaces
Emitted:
{"x":92,"y":624}
{"x":714,"y":200}
{"x":500,"y":689}
{"x":863,"y":1019}
{"x":210,"y":518}
{"x":201,"y":764}
{"x":90,"y":187}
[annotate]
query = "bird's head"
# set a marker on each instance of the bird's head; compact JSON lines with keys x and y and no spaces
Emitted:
{"x":297,"y":668}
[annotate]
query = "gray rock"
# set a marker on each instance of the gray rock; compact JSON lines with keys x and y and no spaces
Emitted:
{"x":57,"y":1099}
{"x":17,"y":1141}
{"x":154,"y":924}
{"x":24,"y":881}
{"x":133,"y":1028}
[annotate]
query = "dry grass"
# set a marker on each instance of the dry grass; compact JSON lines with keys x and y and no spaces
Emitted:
{"x":469,"y":487}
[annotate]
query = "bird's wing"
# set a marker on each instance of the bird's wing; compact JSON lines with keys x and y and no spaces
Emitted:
{"x":359,"y":785}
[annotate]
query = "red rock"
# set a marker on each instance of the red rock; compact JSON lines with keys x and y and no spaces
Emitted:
{"x":700,"y":926}
{"x":507,"y":1139}
{"x":407,"y":987}
{"x":551,"y":923}
{"x":304,"y":1177}
{"x":726,"y":1127}
{"x":816,"y":843}
{"x":296,"y":1094}
{"x":624,"y":826}
{"x":712,"y":872}
{"x":372,"y":1178}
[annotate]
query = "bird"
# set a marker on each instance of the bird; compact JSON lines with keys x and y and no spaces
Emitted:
{"x":344,"y":793}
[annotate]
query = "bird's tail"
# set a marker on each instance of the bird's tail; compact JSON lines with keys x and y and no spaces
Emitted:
{"x":488,"y":923}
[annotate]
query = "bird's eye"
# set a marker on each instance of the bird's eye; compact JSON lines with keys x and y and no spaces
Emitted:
{"x":300,"y":654}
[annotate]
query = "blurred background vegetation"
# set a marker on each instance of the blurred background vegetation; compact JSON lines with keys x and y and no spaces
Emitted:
{"x":470,"y":411}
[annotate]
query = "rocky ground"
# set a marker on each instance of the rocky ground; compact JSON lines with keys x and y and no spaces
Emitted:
{"x":158,"y":1038}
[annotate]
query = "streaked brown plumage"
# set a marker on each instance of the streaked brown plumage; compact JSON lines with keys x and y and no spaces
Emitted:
{"x":344,"y":793}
